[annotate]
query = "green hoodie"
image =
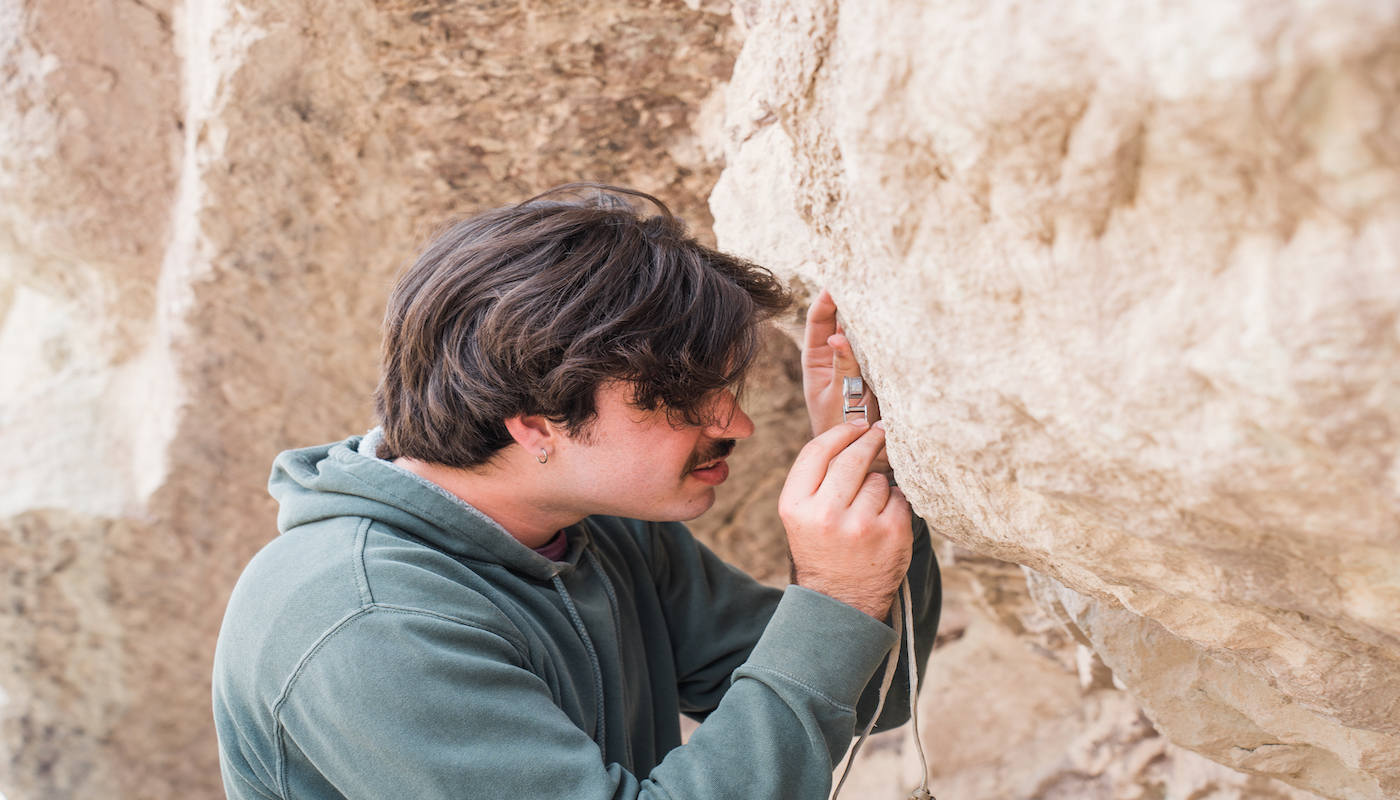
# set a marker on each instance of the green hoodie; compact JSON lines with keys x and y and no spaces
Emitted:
{"x":394,"y":642}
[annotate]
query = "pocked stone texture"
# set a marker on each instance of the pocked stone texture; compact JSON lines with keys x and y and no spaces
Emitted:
{"x":1126,"y":279}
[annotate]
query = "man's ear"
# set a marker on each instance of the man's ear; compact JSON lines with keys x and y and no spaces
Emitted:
{"x":533,"y":433}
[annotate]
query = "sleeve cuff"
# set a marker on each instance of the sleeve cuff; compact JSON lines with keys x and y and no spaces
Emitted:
{"x":824,"y":644}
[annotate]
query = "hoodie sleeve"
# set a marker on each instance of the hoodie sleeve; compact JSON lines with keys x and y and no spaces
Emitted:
{"x":718,"y":613}
{"x":446,"y":709}
{"x":400,"y":702}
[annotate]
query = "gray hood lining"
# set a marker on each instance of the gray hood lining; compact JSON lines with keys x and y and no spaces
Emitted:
{"x":369,"y":448}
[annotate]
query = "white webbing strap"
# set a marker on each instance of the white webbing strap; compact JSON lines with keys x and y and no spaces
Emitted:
{"x":902,"y":613}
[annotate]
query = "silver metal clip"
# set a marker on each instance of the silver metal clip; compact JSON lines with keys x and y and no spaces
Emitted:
{"x":852,"y":392}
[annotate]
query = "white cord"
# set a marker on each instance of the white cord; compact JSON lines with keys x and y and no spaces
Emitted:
{"x":899,"y":611}
{"x":922,"y":792}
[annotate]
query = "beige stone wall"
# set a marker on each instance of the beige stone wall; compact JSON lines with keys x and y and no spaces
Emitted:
{"x":1126,"y":279}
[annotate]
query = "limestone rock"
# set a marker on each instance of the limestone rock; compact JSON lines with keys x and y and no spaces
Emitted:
{"x":1126,"y":281}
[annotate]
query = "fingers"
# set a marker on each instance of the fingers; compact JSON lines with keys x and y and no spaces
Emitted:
{"x":810,"y":467}
{"x":844,"y":365}
{"x":874,"y":493}
{"x":847,"y":471}
{"x":843,"y":358}
{"x":824,"y":343}
{"x":838,"y":350}
{"x":878,"y":497}
{"x":827,"y":360}
{"x":821,"y":323}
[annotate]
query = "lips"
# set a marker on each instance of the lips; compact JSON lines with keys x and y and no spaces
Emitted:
{"x":712,"y":469}
{"x":714,"y":473}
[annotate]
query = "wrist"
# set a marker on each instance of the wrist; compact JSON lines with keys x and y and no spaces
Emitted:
{"x":872,"y":605}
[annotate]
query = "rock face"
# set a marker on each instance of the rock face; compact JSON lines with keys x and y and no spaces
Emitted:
{"x":1126,"y":280}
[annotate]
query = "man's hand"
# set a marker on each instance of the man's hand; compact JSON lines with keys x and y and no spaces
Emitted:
{"x":827,"y":358}
{"x":848,"y":529}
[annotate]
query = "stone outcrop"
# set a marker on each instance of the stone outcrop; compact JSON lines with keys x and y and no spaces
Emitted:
{"x":1126,"y":281}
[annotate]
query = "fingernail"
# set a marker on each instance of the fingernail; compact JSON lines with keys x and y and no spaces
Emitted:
{"x":880,"y":424}
{"x":861,"y":422}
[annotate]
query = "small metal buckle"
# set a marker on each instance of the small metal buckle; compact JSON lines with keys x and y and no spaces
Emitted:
{"x":852,"y":390}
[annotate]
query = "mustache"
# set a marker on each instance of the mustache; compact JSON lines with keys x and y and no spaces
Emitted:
{"x":720,"y":448}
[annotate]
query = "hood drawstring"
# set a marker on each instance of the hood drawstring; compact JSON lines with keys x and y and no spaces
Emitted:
{"x":600,"y":729}
{"x":600,"y":735}
{"x":617,"y":635}
{"x":902,"y":613}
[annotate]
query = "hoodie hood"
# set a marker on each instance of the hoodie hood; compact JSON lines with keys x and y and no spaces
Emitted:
{"x":345,"y":479}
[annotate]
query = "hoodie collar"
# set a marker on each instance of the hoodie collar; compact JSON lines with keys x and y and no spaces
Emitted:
{"x":349,"y":479}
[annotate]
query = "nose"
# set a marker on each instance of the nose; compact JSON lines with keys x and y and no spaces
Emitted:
{"x":730,"y":420}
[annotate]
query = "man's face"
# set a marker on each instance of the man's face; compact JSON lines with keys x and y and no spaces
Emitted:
{"x":635,"y":463}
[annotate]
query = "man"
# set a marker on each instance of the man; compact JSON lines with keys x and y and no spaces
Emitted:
{"x":489,"y":596}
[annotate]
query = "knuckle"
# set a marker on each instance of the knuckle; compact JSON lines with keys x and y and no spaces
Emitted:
{"x":825,"y":508}
{"x":790,"y":507}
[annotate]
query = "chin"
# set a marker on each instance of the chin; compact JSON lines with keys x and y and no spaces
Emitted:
{"x":684,"y":513}
{"x":707,"y":501}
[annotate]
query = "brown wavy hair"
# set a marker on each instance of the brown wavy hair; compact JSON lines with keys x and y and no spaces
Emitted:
{"x":529,"y":309}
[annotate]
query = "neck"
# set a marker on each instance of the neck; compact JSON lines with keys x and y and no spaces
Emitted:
{"x":503,"y":493}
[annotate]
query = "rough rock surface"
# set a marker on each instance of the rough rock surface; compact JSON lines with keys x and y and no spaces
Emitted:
{"x":1013,"y":706}
{"x":1127,"y":282}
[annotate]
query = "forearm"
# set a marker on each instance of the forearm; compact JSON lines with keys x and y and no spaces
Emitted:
{"x":791,"y":711}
